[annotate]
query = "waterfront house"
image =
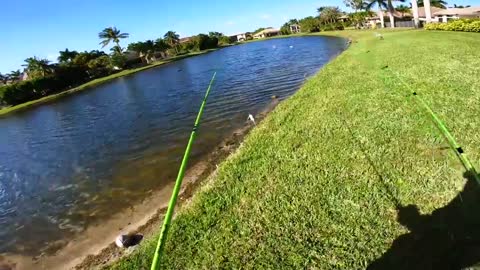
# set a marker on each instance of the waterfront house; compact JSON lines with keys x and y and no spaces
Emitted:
{"x":295,"y":28}
{"x":239,"y":37}
{"x":444,"y":15}
{"x":269,"y":32}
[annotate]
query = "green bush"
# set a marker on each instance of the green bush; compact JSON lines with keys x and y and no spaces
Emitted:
{"x":464,"y":25}
{"x":333,"y":26}
{"x":65,"y":77}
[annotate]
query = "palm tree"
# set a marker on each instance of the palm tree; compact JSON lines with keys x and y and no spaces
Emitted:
{"x":3,"y":78}
{"x":145,"y":50}
{"x":381,"y":6}
{"x":172,"y":39}
{"x":161,"y":46}
{"x":66,"y":56}
{"x":355,"y":4}
{"x":402,"y":9}
{"x":457,"y":6}
{"x":292,"y":21}
{"x":14,"y":75}
{"x":116,"y":49}
{"x":36,"y":66}
{"x":329,"y":14}
{"x":111,"y":34}
{"x":434,"y":3}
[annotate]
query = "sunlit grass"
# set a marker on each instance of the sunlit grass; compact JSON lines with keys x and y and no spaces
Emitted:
{"x":315,"y":185}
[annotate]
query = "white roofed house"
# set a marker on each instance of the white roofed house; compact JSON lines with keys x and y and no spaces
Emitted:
{"x":241,"y":37}
{"x":269,"y":32}
{"x":445,"y":15}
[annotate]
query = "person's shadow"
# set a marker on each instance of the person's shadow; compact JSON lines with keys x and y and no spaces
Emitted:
{"x":449,"y":238}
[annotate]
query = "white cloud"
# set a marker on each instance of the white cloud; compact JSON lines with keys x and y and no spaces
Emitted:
{"x":230,"y":23}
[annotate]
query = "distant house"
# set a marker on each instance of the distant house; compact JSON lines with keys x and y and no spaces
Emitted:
{"x":269,"y":32}
{"x":343,"y":18}
{"x":23,"y":76}
{"x":375,"y":20}
{"x":184,"y":40}
{"x":444,"y":15}
{"x":240,"y":37}
{"x":423,"y":17}
{"x":295,"y":28}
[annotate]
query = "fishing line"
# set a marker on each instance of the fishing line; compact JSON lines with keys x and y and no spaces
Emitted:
{"x":178,"y":184}
{"x":443,"y":129}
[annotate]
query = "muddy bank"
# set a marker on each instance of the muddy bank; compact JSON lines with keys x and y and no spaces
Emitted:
{"x":95,"y":248}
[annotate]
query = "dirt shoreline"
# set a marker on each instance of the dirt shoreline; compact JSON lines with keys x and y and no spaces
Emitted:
{"x":94,"y":248}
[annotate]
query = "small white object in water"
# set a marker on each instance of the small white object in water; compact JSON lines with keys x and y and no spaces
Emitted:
{"x":274,"y":46}
{"x":291,"y":46}
{"x":250,"y":117}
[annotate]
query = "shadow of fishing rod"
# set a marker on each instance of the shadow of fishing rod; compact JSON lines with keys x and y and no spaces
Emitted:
{"x":390,"y":191}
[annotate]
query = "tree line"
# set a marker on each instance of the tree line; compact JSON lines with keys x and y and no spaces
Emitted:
{"x":41,"y":77}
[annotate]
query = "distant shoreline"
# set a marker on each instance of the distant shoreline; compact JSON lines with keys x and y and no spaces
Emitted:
{"x":99,"y":81}
{"x":127,"y":72}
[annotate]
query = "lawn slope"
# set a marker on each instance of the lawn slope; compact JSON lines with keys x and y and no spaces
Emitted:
{"x":333,"y":177}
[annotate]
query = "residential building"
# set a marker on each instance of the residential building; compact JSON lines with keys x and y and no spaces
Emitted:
{"x":445,"y":15}
{"x":269,"y":32}
{"x":422,"y":16}
{"x":295,"y":28}
{"x":184,"y":40}
{"x":241,"y":37}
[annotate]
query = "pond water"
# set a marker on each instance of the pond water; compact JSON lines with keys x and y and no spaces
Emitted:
{"x":78,"y":160}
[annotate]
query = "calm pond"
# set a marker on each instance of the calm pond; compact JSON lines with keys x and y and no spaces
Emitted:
{"x":76,"y":161}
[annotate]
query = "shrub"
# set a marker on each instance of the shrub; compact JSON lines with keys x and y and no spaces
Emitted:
{"x":465,"y":25}
{"x":333,"y":26}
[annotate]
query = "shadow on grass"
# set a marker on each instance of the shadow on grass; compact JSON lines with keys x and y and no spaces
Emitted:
{"x":449,"y":238}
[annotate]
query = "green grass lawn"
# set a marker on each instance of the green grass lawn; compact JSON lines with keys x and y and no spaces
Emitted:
{"x":95,"y":82}
{"x":349,"y":172}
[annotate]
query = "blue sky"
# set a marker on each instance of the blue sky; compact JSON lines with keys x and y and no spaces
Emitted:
{"x":42,"y":28}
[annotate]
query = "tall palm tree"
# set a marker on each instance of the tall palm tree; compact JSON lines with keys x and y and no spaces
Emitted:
{"x":172,"y":39}
{"x":329,"y":14}
{"x":66,"y":56}
{"x":111,"y":34}
{"x":382,"y":5}
{"x":37,"y":66}
{"x":356,"y":5}
{"x":434,"y":3}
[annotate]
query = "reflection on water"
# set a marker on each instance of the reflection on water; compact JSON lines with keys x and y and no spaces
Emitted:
{"x":71,"y":163}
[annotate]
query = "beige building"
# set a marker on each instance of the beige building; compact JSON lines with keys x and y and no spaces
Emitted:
{"x":445,"y":15}
{"x":269,"y":32}
{"x":295,"y":28}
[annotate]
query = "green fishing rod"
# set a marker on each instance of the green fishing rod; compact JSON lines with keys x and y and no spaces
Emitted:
{"x":444,"y":130}
{"x":178,"y":184}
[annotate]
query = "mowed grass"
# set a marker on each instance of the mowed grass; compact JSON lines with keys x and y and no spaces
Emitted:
{"x":320,"y":182}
